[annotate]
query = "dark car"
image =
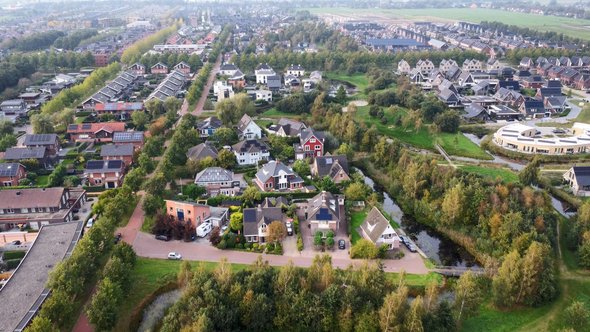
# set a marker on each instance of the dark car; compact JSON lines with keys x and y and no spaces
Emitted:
{"x":404,"y":239}
{"x":118,"y":237}
{"x":162,"y":237}
{"x":341,"y":244}
{"x":411,"y":247}
{"x":16,"y":243}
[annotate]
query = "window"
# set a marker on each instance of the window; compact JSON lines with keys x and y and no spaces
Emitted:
{"x":312,"y":140}
{"x":306,"y":148}
{"x":318,"y":147}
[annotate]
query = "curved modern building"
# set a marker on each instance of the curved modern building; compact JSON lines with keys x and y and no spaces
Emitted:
{"x":523,"y":138}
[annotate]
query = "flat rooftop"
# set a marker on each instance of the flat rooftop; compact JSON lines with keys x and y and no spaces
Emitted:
{"x":25,"y":291}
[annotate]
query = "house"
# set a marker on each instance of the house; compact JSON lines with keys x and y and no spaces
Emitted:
{"x":36,"y":207}
{"x":11,"y":174}
{"x":416,"y":76}
{"x":472,"y":65}
{"x":183,"y":67}
{"x":107,"y":173}
{"x":493,"y":65}
{"x":502,"y":112}
{"x":403,"y":67}
{"x":202,"y":151}
{"x":583,"y":82}
{"x":555,"y":104}
{"x":569,"y":76}
{"x":311,"y":144}
{"x":30,"y":98}
{"x":466,"y":79}
{"x":315,"y":76}
{"x":159,"y":69}
{"x":578,"y":177}
{"x":23,"y":153}
{"x":287,"y":127}
{"x":532,"y":82}
{"x":228,"y":69}
{"x":262,"y":72}
{"x":292,"y":81}
{"x":424,"y":66}
{"x":509,"y":97}
{"x":94,"y":132}
{"x":49,"y":141}
{"x":279,"y":201}
{"x":122,"y":152}
{"x":238,"y":80}
{"x":207,"y":127}
{"x":475,"y":113}
{"x":445,"y":65}
{"x":250,"y":152}
{"x":248,"y":129}
{"x":447,"y":85}
{"x":509,"y":84}
{"x":129,"y":137}
{"x":222,"y":90}
{"x":324,"y":212}
{"x":273,"y":82}
{"x":256,"y":222}
{"x":218,"y":181}
{"x":265,"y":95}
{"x":171,"y":86}
{"x":13,"y":108}
{"x":276,"y":176}
{"x":449,"y":97}
{"x":377,"y":229}
{"x":526,"y":63}
{"x":543,"y":93}
{"x":334,"y":167}
{"x":196,"y":213}
{"x":138,"y":69}
{"x":533,"y":108}
{"x":296,"y":70}
{"x":482,"y":88}
{"x":122,"y":109}
{"x":453,"y":73}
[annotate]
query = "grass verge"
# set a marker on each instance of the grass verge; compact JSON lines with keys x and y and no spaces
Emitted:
{"x":505,"y":174}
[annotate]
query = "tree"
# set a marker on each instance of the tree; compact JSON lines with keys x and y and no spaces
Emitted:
{"x":413,"y":322}
{"x":393,"y":309}
{"x":146,"y":163}
{"x":6,"y":128}
{"x":577,"y":316}
{"x":506,"y":282}
{"x":584,"y":254}
{"x":42,"y":124}
{"x":215,"y":236}
{"x":538,"y":275}
{"x":172,"y":105}
{"x":236,"y":221}
{"x":467,"y":296}
{"x":134,"y":178}
{"x":194,"y":191}
{"x":452,"y":205}
{"x":345,"y":149}
{"x":42,"y":324}
{"x":276,"y":231}
{"x":448,"y":121}
{"x":251,"y":195}
{"x":103,"y":309}
{"x":56,"y":178}
{"x":231,"y":110}
{"x":364,"y":249}
{"x":225,"y":136}
{"x":140,"y":120}
{"x":340,"y":95}
{"x":530,"y":174}
{"x":302,"y":168}
{"x":226,"y":159}
{"x":356,"y":191}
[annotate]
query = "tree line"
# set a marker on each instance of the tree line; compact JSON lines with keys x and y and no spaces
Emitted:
{"x":319,"y":298}
{"x":72,"y":40}
{"x":35,"y":41}
{"x":134,"y":52}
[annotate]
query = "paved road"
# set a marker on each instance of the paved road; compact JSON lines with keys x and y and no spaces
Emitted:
{"x":203,"y":99}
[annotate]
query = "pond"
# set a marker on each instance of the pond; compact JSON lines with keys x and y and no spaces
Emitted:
{"x":434,"y":244}
{"x":154,"y":313}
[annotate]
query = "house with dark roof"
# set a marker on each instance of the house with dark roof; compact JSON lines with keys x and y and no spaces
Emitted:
{"x":287,"y":127}
{"x":218,"y":181}
{"x":578,"y":177}
{"x":475,"y":113}
{"x":273,"y":82}
{"x":202,"y":151}
{"x":334,"y":167}
{"x":543,"y":93}
{"x":325,"y":212}
{"x":129,"y":137}
{"x":122,"y":152}
{"x":509,"y":84}
{"x":49,"y":141}
{"x":250,"y":152}
{"x":208,"y":126}
{"x":171,"y":86}
{"x":448,"y":97}
{"x":248,"y":129}
{"x":183,"y":67}
{"x":228,"y":69}
{"x":137,"y":68}
{"x":583,"y":82}
{"x":296,"y":70}
{"x":533,"y":108}
{"x":11,"y":174}
{"x":94,"y":132}
{"x":532,"y":82}
{"x":107,"y":173}
{"x":257,"y":220}
{"x":22,"y":153}
{"x":311,"y":144}
{"x":377,"y":229}
{"x":555,"y":104}
{"x":279,"y":201}
{"x":276,"y":176}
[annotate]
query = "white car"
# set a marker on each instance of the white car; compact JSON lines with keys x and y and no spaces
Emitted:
{"x":90,"y":222}
{"x":174,"y":255}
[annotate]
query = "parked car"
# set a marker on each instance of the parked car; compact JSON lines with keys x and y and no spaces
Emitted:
{"x":90,"y":222}
{"x":204,"y":229}
{"x":289,"y":229}
{"x":404,"y":239}
{"x":162,"y":237}
{"x":341,"y":244}
{"x":16,"y":243}
{"x":174,"y":255}
{"x":118,"y":237}
{"x":412,"y":247}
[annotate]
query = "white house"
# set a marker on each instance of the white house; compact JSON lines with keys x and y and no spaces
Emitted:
{"x":424,"y":66}
{"x":248,"y":129}
{"x":262,"y":72}
{"x":222,"y":90}
{"x":296,"y":70}
{"x":445,"y":65}
{"x":472,"y":65}
{"x":250,"y":152}
{"x":578,"y":177}
{"x":377,"y":229}
{"x":265,"y":95}
{"x":403,"y":67}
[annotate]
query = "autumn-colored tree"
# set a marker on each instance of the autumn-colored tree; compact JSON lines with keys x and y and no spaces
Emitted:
{"x":276,"y":231}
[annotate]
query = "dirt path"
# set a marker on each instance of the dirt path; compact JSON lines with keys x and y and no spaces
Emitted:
{"x":201,"y":103}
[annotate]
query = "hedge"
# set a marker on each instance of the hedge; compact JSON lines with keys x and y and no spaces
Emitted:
{"x":14,"y":255}
{"x":12,"y":263}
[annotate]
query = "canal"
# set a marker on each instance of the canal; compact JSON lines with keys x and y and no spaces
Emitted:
{"x":435,"y":245}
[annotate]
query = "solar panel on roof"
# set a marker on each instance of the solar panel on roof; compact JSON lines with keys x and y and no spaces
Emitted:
{"x":114,"y":163}
{"x":86,"y":126}
{"x":324,"y":214}
{"x":94,"y":164}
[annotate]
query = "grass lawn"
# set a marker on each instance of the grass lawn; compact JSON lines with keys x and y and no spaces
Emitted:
{"x":568,"y":26}
{"x":42,"y":180}
{"x":148,"y":224}
{"x":459,"y":145}
{"x":356,"y":219}
{"x":273,"y":113}
{"x":360,"y":81}
{"x":505,"y":174}
{"x":584,"y":115}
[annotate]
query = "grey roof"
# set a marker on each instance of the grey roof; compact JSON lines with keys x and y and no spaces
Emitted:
{"x":307,"y":133}
{"x":244,"y":122}
{"x":273,"y":82}
{"x":275,"y":201}
{"x":330,"y":165}
{"x":550,"y":92}
{"x":12,"y":102}
{"x":556,"y":101}
{"x":214,"y":174}
{"x":272,"y":169}
{"x":93,"y":166}
{"x":112,"y":150}
{"x":290,"y":127}
{"x":375,"y":224}
{"x":473,"y":110}
{"x":202,"y":151}
{"x":295,"y":67}
{"x":251,"y":145}
{"x":24,"y":153}
{"x":228,"y":66}
{"x":253,"y":217}
{"x":582,"y":174}
{"x":263,"y":66}
{"x":9,"y":169}
{"x":323,"y":206}
{"x":39,"y":139}
{"x":210,"y":122}
{"x":127,"y":136}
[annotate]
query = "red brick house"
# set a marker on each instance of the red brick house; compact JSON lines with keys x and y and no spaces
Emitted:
{"x":11,"y":174}
{"x":583,"y":82}
{"x":137,"y":68}
{"x":94,"y":132}
{"x":122,"y":152}
{"x":129,"y":137}
{"x":183,"y":67}
{"x":311,"y":144}
{"x":159,"y":68}
{"x":101,"y":59}
{"x":105,"y":173}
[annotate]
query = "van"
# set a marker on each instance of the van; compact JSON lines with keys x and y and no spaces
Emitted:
{"x":204,"y":229}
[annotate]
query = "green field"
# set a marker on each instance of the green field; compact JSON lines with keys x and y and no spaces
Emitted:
{"x":584,"y":115}
{"x":505,"y":174}
{"x":360,"y":81}
{"x":576,"y":28}
{"x":273,"y":113}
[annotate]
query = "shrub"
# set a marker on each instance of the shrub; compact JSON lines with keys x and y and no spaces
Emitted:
{"x":248,"y":245}
{"x":231,"y":240}
{"x":330,"y":234}
{"x":364,"y":249}
{"x":255,"y":246}
{"x":14,"y":254}
{"x":330,"y":242}
{"x":222,"y":245}
{"x":12,"y":263}
{"x":239,"y":246}
{"x":299,"y":243}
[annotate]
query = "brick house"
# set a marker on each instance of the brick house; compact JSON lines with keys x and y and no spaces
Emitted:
{"x":335,"y":167}
{"x":137,"y":68}
{"x":49,"y":141}
{"x":183,"y":67}
{"x":196,"y":213}
{"x":107,"y":173}
{"x":325,"y":212}
{"x":129,"y":137}
{"x":122,"y":152}
{"x":94,"y":132}
{"x":257,"y":220}
{"x":276,"y":176}
{"x":11,"y":174}
{"x":159,"y":69}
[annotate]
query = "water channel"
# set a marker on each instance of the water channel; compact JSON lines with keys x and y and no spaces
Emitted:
{"x":435,"y":245}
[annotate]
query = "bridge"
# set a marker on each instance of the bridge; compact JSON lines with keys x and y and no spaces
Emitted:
{"x":457,"y":271}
